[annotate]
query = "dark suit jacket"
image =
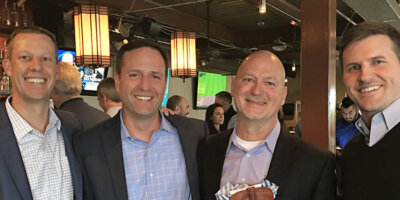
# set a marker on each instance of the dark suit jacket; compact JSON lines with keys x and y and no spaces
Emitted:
{"x":301,"y":170}
{"x":88,"y":116}
{"x":100,"y":152}
{"x":13,"y":180}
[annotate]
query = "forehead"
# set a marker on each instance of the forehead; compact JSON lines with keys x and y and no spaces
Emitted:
{"x":349,"y":109}
{"x":368,"y":47}
{"x":263,"y":66}
{"x":33,"y":41}
{"x":218,"y":109}
{"x":143,"y":58}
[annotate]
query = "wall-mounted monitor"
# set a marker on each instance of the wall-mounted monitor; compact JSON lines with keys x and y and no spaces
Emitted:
{"x":208,"y":84}
{"x":90,"y":77}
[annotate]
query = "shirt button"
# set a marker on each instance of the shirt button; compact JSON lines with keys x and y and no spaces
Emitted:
{"x":151,"y":174}
{"x":243,"y":179}
{"x":248,"y":155}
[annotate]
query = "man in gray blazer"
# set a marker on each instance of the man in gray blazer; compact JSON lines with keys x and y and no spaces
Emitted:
{"x":36,"y":156}
{"x":140,"y":153}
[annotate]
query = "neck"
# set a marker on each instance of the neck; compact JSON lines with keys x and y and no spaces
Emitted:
{"x":367,"y":118}
{"x":113,"y":104}
{"x":254,"y":130}
{"x":216,"y":126}
{"x":36,"y":113}
{"x":139,"y":127}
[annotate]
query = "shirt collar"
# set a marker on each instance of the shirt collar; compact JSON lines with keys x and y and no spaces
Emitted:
{"x":21,"y":127}
{"x":165,"y":125}
{"x":270,"y":140}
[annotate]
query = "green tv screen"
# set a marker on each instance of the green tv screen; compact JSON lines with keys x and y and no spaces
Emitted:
{"x":208,"y":84}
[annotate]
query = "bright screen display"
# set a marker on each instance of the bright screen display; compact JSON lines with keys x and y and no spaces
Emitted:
{"x":208,"y":84}
{"x":90,"y":77}
{"x":164,"y":103}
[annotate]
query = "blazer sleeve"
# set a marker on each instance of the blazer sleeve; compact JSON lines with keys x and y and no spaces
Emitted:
{"x":326,"y":187}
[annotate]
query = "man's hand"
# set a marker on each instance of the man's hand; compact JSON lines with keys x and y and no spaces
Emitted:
{"x":251,"y":193}
{"x":167,"y":111}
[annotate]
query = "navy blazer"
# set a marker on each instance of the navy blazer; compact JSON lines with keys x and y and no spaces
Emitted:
{"x":13,"y":180}
{"x":100,"y":151}
{"x":301,"y":170}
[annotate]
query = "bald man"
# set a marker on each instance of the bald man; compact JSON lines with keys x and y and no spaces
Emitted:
{"x":259,"y":146}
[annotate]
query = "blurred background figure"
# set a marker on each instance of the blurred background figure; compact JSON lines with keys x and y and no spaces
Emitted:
{"x":108,"y":97}
{"x":214,"y":118}
{"x":225,"y":99}
{"x":66,"y":96}
{"x":345,"y":126}
{"x":179,"y":105}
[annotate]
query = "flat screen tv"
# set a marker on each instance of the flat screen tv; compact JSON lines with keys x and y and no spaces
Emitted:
{"x":208,"y":84}
{"x":90,"y":77}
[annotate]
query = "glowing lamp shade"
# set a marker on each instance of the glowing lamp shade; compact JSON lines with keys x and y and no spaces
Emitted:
{"x":92,"y":40}
{"x":183,"y":54}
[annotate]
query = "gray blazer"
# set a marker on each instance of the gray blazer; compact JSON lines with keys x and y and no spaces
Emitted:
{"x":100,"y":152}
{"x":13,"y":180}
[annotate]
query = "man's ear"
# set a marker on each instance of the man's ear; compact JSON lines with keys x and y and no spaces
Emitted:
{"x":177,"y":109}
{"x":7,"y":67}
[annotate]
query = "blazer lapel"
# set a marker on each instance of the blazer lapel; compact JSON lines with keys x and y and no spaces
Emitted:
{"x":11,"y":155}
{"x":73,"y":162}
{"x":220,"y":151}
{"x":281,"y":164}
{"x":113,"y":149}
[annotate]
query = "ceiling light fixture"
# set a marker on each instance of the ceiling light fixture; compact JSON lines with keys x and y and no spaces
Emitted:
{"x":262,"y":7}
{"x":183,"y":54}
{"x":92,"y":40}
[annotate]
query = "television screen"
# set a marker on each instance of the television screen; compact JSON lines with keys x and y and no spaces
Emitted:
{"x":164,"y":102}
{"x":208,"y":84}
{"x":90,"y":77}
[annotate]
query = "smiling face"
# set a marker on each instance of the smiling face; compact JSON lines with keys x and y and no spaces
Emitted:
{"x":32,"y":66}
{"x":218,"y":115}
{"x":371,"y":72}
{"x":142,"y":82}
{"x":259,"y":88}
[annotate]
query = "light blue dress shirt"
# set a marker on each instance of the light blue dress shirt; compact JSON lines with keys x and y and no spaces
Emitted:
{"x":249,"y":167}
{"x":155,"y":170}
{"x":381,"y":123}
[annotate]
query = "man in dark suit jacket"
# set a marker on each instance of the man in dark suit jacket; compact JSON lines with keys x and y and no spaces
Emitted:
{"x":259,"y":147}
{"x":66,"y":96}
{"x":130,"y":156}
{"x":36,"y":153}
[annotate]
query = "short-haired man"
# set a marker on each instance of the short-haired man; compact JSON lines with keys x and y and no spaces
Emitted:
{"x":259,"y":147}
{"x":225,"y":99}
{"x":179,"y":105}
{"x":37,"y":160}
{"x":345,"y":126}
{"x":108,"y":97}
{"x":370,"y":55}
{"x":140,"y":153}
{"x":66,"y":96}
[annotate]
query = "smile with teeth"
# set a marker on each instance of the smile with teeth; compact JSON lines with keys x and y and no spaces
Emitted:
{"x":143,"y":98}
{"x":368,"y":89}
{"x":256,"y":102}
{"x":35,"y":80}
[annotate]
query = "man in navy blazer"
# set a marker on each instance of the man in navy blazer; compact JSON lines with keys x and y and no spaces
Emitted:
{"x":140,"y":153}
{"x":36,"y":155}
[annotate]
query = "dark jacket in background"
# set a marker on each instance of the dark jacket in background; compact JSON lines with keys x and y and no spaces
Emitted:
{"x":87,"y":115}
{"x":227,"y":116}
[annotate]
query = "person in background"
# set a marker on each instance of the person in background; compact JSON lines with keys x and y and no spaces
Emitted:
{"x":225,"y":99}
{"x":37,"y":160}
{"x":66,"y":96}
{"x":214,"y":118}
{"x":345,"y":126}
{"x":108,"y":97}
{"x":178,"y":105}
{"x":259,"y":147}
{"x":140,"y":153}
{"x":370,"y":58}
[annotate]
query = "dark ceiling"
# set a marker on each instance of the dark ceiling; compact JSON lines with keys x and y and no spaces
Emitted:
{"x":235,"y":26}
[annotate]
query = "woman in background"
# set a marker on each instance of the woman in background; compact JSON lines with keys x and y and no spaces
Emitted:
{"x":214,"y":117}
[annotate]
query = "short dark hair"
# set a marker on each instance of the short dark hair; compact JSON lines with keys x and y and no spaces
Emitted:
{"x":224,"y":95}
{"x":136,"y":45}
{"x":366,"y":29}
{"x":173,"y":102}
{"x":30,"y":29}
{"x":347,"y":102}
{"x":107,"y":87}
